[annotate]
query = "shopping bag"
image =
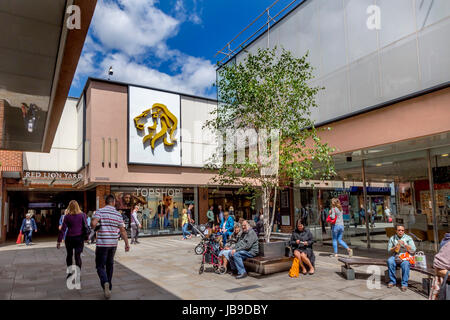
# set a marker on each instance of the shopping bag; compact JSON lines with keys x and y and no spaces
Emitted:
{"x":421,"y":260}
{"x":407,"y":257}
{"x":294,"y":272}
{"x":20,"y":238}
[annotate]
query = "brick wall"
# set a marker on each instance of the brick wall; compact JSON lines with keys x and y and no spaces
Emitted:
{"x":2,"y":122}
{"x":202,"y":205}
{"x":10,"y":159}
{"x":2,"y":215}
{"x":101,"y":192}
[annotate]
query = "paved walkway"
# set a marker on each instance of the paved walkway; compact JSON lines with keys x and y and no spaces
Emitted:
{"x":167,"y":268}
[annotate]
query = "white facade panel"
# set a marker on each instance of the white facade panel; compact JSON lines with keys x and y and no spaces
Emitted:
{"x":63,"y":154}
{"x":409,"y":52}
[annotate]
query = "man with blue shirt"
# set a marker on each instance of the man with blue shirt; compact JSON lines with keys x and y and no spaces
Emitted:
{"x":399,"y":243}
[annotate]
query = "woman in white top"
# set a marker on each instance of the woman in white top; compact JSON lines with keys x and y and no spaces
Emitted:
{"x":337,"y":229}
{"x":135,"y":225}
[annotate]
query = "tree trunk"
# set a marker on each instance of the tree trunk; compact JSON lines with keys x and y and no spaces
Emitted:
{"x":269,"y":230}
{"x":266,"y":211}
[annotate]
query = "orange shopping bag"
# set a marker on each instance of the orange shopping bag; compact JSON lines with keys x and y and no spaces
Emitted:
{"x":20,"y":238}
{"x":295,"y":269}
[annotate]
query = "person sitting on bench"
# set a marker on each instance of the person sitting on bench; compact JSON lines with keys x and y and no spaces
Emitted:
{"x":301,"y":243}
{"x":399,"y":244}
{"x":231,"y":243}
{"x":246,"y":247}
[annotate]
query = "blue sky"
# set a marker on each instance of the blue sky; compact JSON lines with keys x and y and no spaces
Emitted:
{"x":167,"y":44}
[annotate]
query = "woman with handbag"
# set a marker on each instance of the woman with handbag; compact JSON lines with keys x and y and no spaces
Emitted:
{"x":27,"y":228}
{"x":77,"y":231}
{"x":337,"y":228}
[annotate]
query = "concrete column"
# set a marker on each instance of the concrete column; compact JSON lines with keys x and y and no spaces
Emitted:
{"x":365,"y":202}
{"x":433,"y":203}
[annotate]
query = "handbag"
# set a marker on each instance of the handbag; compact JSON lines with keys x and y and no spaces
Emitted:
{"x":421,"y":260}
{"x":86,"y":229}
{"x":20,"y":238}
{"x":331,"y":221}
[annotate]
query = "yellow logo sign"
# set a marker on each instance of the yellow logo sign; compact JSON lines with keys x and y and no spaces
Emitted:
{"x":168,"y":125}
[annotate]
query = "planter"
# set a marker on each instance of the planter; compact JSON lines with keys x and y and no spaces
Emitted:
{"x":274,"y":249}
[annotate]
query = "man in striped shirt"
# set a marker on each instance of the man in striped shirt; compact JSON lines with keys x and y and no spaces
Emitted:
{"x":110,"y":222}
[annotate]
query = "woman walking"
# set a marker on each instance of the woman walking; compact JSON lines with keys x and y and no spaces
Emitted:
{"x":74,"y":222}
{"x":27,"y":228}
{"x":185,"y":224}
{"x":135,"y":225}
{"x":337,"y":229}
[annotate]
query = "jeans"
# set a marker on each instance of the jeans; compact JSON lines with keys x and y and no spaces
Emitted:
{"x":225,"y":253}
{"x":392,"y":266}
{"x":337,"y":233}
{"x":28,"y":235}
{"x":104,"y":262}
{"x":134,"y":232}
{"x":237,"y":260}
{"x":185,"y":231}
{"x":74,"y":244}
{"x":225,"y":236}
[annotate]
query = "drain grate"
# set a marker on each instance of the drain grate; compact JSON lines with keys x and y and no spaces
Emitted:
{"x":242,"y":289}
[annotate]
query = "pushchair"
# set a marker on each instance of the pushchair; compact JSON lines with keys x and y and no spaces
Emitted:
{"x":200,"y":229}
{"x":211,"y":255}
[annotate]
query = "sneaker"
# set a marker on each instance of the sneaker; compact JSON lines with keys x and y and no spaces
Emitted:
{"x":350,"y":253}
{"x":106,"y":291}
{"x":137,"y":242}
{"x":390,"y":285}
{"x":404,"y":288}
{"x":241,"y":276}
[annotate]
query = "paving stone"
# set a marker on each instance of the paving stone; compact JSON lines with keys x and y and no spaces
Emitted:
{"x":167,"y":268}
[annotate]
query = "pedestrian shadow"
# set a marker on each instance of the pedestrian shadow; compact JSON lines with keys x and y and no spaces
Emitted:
{"x":414,"y":286}
{"x":40,"y":274}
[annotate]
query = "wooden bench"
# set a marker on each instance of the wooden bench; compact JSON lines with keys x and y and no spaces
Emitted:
{"x":349,"y":273}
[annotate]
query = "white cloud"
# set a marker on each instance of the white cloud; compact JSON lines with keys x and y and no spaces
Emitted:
{"x":124,"y":33}
{"x":134,"y":28}
{"x":196,"y":75}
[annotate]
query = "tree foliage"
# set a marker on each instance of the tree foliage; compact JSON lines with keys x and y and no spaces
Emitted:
{"x":268,"y":91}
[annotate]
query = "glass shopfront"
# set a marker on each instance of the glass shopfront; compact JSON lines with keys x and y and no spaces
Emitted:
{"x":244,"y":204}
{"x":160,"y":207}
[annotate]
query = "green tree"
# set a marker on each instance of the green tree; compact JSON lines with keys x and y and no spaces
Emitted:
{"x":269,"y":92}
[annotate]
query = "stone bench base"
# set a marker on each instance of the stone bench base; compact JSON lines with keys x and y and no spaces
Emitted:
{"x":264,"y":266}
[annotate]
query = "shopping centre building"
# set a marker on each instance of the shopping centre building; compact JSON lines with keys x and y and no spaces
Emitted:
{"x":143,"y":145}
{"x":385,"y":68}
{"x":386,"y":98}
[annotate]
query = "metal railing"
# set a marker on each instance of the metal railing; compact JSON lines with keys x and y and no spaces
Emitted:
{"x":234,"y":46}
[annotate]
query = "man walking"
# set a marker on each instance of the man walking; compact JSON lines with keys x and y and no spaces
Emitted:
{"x":110,"y":222}
{"x":246,"y":247}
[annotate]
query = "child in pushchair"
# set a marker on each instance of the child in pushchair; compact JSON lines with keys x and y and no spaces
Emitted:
{"x":205,"y":231}
{"x":211,"y":255}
